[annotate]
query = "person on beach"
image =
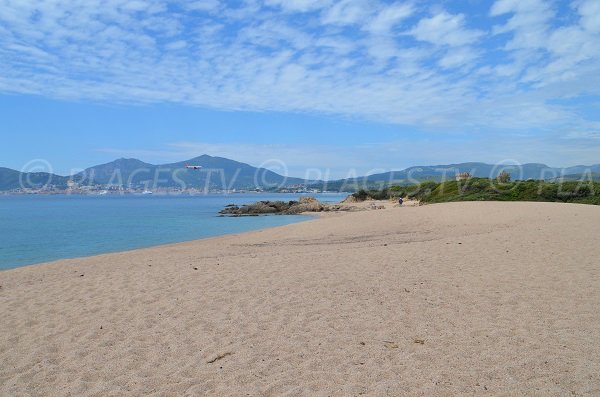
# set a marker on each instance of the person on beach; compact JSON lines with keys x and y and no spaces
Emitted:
{"x":400,"y":201}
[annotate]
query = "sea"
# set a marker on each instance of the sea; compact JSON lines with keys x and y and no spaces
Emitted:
{"x":42,"y":228}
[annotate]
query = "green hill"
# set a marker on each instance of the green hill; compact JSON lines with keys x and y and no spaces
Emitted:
{"x":446,"y":172}
{"x":484,"y":189}
{"x":11,"y":179}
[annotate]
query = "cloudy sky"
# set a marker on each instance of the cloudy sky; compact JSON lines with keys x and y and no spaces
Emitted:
{"x":322,"y":84}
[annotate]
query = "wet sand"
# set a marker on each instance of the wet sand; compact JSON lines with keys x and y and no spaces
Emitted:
{"x":498,"y":299}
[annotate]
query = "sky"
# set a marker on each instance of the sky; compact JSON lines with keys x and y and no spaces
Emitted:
{"x":323,"y":87}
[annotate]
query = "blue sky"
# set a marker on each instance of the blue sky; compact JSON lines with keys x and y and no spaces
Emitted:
{"x":330,"y":85}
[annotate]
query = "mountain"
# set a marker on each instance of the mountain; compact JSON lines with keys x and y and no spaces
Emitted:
{"x":587,"y":176}
{"x":119,"y":172}
{"x":441,"y":172}
{"x":216,"y":173}
{"x":225,"y":174}
{"x":11,"y":179}
{"x":480,"y":170}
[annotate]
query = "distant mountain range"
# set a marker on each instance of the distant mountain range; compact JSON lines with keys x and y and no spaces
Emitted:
{"x":481,"y":170}
{"x":448,"y":171}
{"x":216,"y":173}
{"x":594,"y":176}
{"x":226,"y":174}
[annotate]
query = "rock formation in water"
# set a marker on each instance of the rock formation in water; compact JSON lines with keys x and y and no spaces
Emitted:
{"x":305,"y":204}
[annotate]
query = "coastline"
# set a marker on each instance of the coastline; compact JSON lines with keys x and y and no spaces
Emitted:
{"x":308,"y":217}
{"x":43,"y":229}
{"x":448,"y":298}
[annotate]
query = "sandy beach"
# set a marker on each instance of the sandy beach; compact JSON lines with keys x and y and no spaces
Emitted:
{"x":481,"y":298}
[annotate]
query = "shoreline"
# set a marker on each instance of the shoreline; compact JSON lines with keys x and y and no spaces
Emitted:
{"x":309,"y":217}
{"x":448,"y":299}
{"x":75,"y":227}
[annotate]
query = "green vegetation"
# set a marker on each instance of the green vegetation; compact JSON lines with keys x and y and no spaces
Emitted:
{"x":503,"y":177}
{"x":11,"y":179}
{"x":484,"y":189}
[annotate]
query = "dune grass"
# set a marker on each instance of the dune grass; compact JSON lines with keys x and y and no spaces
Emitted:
{"x":484,"y":189}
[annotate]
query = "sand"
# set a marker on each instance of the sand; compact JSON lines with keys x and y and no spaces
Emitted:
{"x":498,"y":299}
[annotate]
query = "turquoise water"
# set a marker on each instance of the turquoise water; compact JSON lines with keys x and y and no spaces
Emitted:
{"x":36,"y":229}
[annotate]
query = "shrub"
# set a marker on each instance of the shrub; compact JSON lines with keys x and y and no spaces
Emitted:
{"x":361,"y":195}
{"x":379,"y":194}
{"x":503,"y":177}
{"x":489,"y":189}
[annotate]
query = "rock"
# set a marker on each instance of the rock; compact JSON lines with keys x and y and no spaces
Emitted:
{"x":308,"y":200}
{"x":305,"y":204}
{"x":350,"y":199}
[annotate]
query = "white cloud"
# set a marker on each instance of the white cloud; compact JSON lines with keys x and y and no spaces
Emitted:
{"x":501,"y":7}
{"x":456,"y":57}
{"x":346,"y":12}
{"x":176,"y":45}
{"x":388,"y":17}
{"x":298,"y":5}
{"x":445,"y":29}
{"x":384,"y":61}
{"x":554,"y":54}
{"x":529,"y":22}
{"x":202,"y":5}
{"x":590,"y":15}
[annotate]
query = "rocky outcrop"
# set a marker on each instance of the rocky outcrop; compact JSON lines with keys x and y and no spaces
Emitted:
{"x":305,"y":204}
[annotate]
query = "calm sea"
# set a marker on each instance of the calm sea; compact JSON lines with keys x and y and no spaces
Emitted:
{"x":36,"y":229}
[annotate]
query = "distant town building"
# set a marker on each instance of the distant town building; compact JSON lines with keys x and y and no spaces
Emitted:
{"x":463,"y":176}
